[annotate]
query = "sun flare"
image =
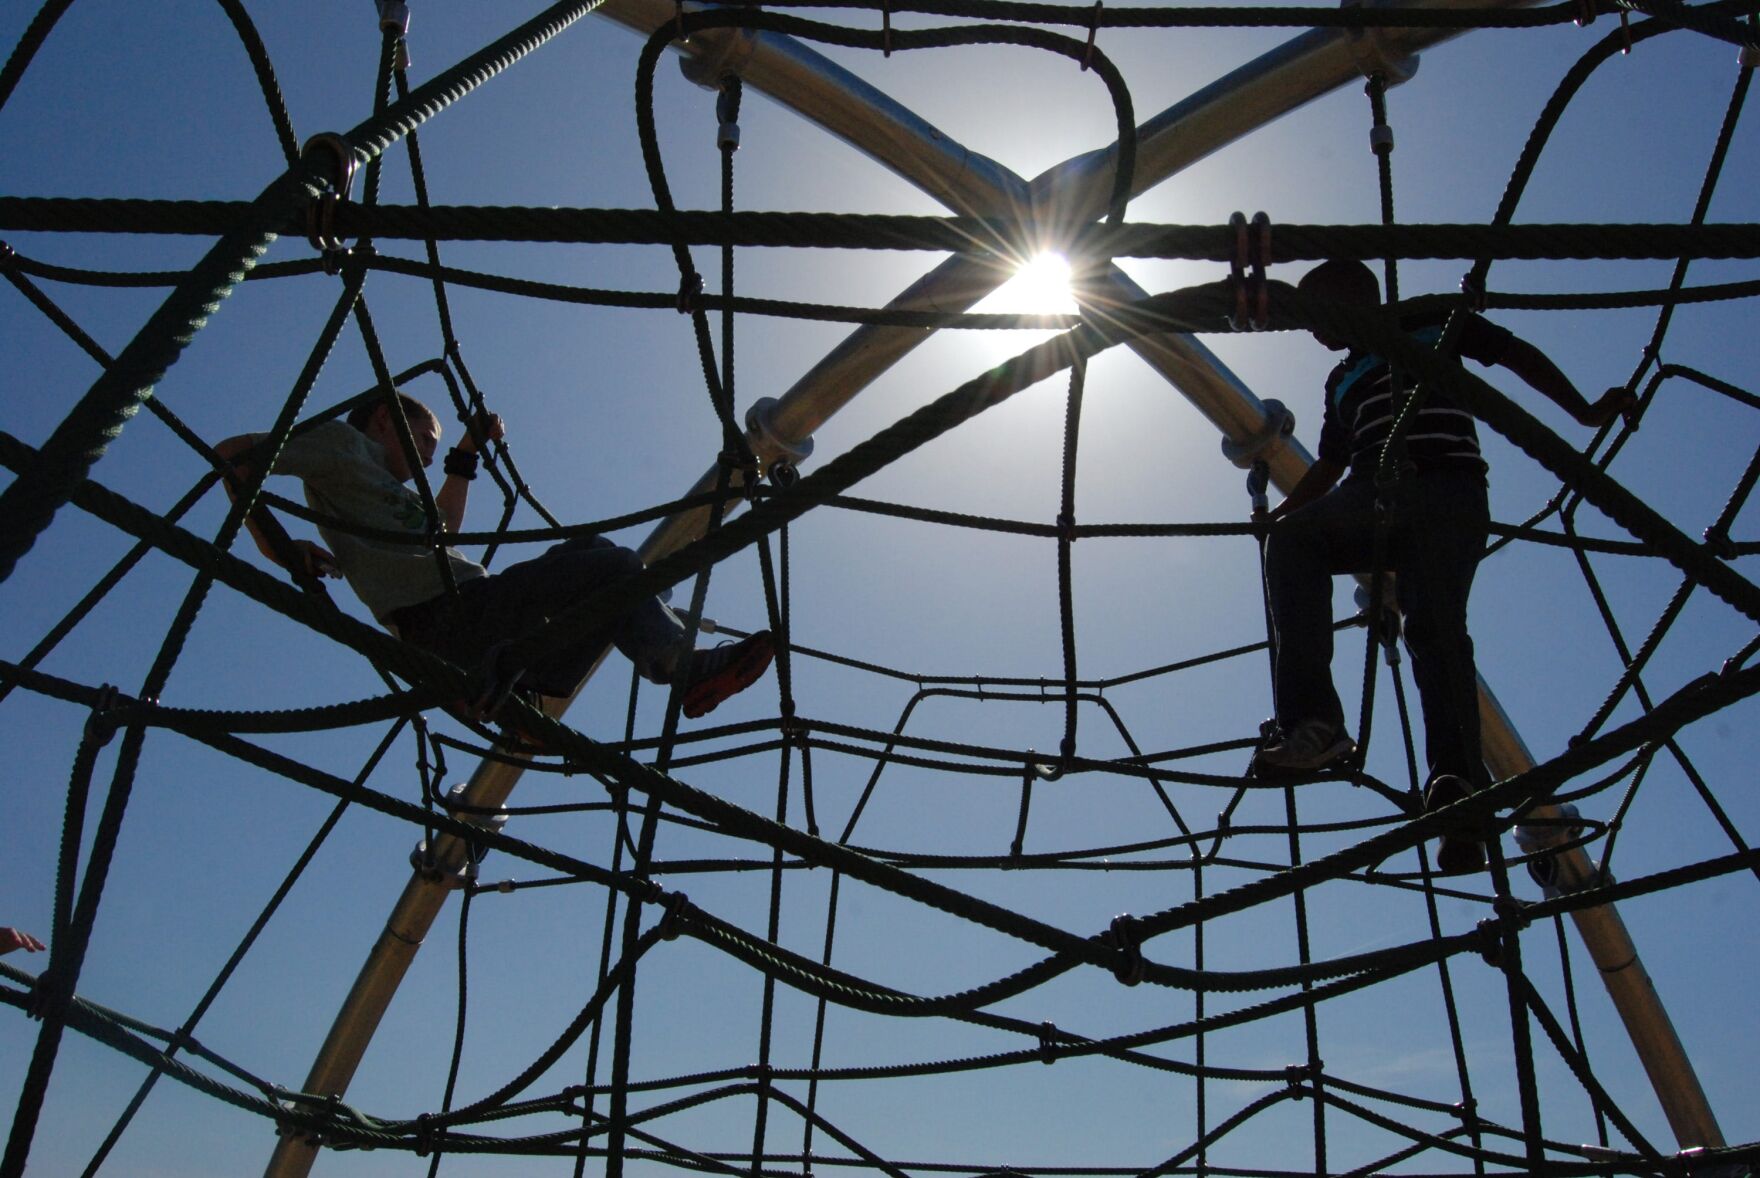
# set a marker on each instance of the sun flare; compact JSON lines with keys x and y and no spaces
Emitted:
{"x":1039,"y":287}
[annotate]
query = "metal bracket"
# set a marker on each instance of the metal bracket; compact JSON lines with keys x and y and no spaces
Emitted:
{"x":766,"y":442}
{"x":422,"y":857}
{"x":1280,"y":423}
{"x":1540,"y":838}
{"x":709,"y":57}
{"x":1374,"y":57}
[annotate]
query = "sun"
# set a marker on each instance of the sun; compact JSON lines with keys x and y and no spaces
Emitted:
{"x":1040,"y":286}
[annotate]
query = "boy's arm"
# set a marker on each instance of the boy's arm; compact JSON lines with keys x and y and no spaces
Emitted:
{"x":1315,"y":482}
{"x":271,"y":538}
{"x":1539,"y":372}
{"x":456,"y":490}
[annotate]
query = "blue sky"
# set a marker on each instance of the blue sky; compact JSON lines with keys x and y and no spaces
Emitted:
{"x":606,"y":414}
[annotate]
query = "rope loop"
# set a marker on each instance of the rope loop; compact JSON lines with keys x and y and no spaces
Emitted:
{"x":1246,"y":272}
{"x":1093,"y":28}
{"x":1126,"y":935}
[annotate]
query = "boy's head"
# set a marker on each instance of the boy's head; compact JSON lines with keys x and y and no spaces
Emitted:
{"x":1341,"y":280}
{"x":378,"y":421}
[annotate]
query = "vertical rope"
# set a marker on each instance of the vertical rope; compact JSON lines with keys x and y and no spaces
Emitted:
{"x":1066,"y":524}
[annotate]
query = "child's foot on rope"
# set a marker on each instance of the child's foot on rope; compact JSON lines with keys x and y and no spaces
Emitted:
{"x":1312,"y":746}
{"x":724,"y":671}
{"x":1461,"y":849}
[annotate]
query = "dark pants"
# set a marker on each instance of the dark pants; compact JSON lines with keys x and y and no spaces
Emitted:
{"x":520,"y":598}
{"x":1434,"y":546}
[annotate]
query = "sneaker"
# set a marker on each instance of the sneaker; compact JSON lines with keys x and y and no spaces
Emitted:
{"x":1461,"y":849}
{"x":1311,"y":747}
{"x":724,"y":671}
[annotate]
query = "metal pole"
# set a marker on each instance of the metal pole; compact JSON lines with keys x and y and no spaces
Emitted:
{"x":1272,"y":85}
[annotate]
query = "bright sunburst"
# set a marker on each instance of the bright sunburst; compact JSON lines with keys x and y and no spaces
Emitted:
{"x":1039,"y":287}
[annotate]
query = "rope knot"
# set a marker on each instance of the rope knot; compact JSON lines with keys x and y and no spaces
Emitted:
{"x":1126,"y":936}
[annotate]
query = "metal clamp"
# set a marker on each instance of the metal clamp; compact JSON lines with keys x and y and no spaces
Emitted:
{"x":394,"y":17}
{"x":422,"y":857}
{"x":767,"y":442}
{"x":1374,"y":55}
{"x":336,"y":162}
{"x":1279,"y":424}
{"x":1246,"y":272}
{"x":1541,"y":841}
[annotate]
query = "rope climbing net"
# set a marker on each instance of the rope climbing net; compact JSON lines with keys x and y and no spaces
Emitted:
{"x":867,"y":972}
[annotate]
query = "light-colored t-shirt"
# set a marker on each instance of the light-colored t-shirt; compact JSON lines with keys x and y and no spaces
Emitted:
{"x":345,"y":477}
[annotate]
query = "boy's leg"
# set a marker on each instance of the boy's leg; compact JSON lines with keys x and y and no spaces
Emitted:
{"x":650,"y":635}
{"x":522,"y":597}
{"x":1438,"y":552}
{"x":1305,"y":550}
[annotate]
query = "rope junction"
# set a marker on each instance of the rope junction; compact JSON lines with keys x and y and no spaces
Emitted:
{"x":329,"y":196}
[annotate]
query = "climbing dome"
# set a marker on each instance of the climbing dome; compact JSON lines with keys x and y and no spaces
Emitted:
{"x":975,"y":881}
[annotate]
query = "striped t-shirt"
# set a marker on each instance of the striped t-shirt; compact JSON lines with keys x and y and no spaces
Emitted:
{"x":1360,"y":405}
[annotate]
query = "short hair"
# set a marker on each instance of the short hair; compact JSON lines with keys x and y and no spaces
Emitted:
{"x":412,"y":408}
{"x":1345,"y":277}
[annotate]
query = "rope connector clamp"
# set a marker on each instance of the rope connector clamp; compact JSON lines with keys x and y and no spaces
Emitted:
{"x":1381,"y":139}
{"x":101,"y":724}
{"x":671,"y":924}
{"x":1048,"y":1036}
{"x":886,"y":29}
{"x":1718,"y":541}
{"x":1246,"y":273}
{"x":1749,"y":57}
{"x":1126,"y":935}
{"x":1295,"y":1075}
{"x":335,"y":159}
{"x":690,"y":289}
{"x":1586,"y":13}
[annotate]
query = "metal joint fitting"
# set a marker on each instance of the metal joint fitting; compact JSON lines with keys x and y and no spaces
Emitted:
{"x":1372,"y":53}
{"x":394,"y":17}
{"x":1749,"y":57}
{"x":711,"y":56}
{"x":1381,"y":139}
{"x":336,"y":157}
{"x":727,"y":138}
{"x":765,"y":439}
{"x":1279,"y":424}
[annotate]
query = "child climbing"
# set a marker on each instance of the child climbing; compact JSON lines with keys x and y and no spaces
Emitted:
{"x":1435,"y":539}
{"x":356,"y":471}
